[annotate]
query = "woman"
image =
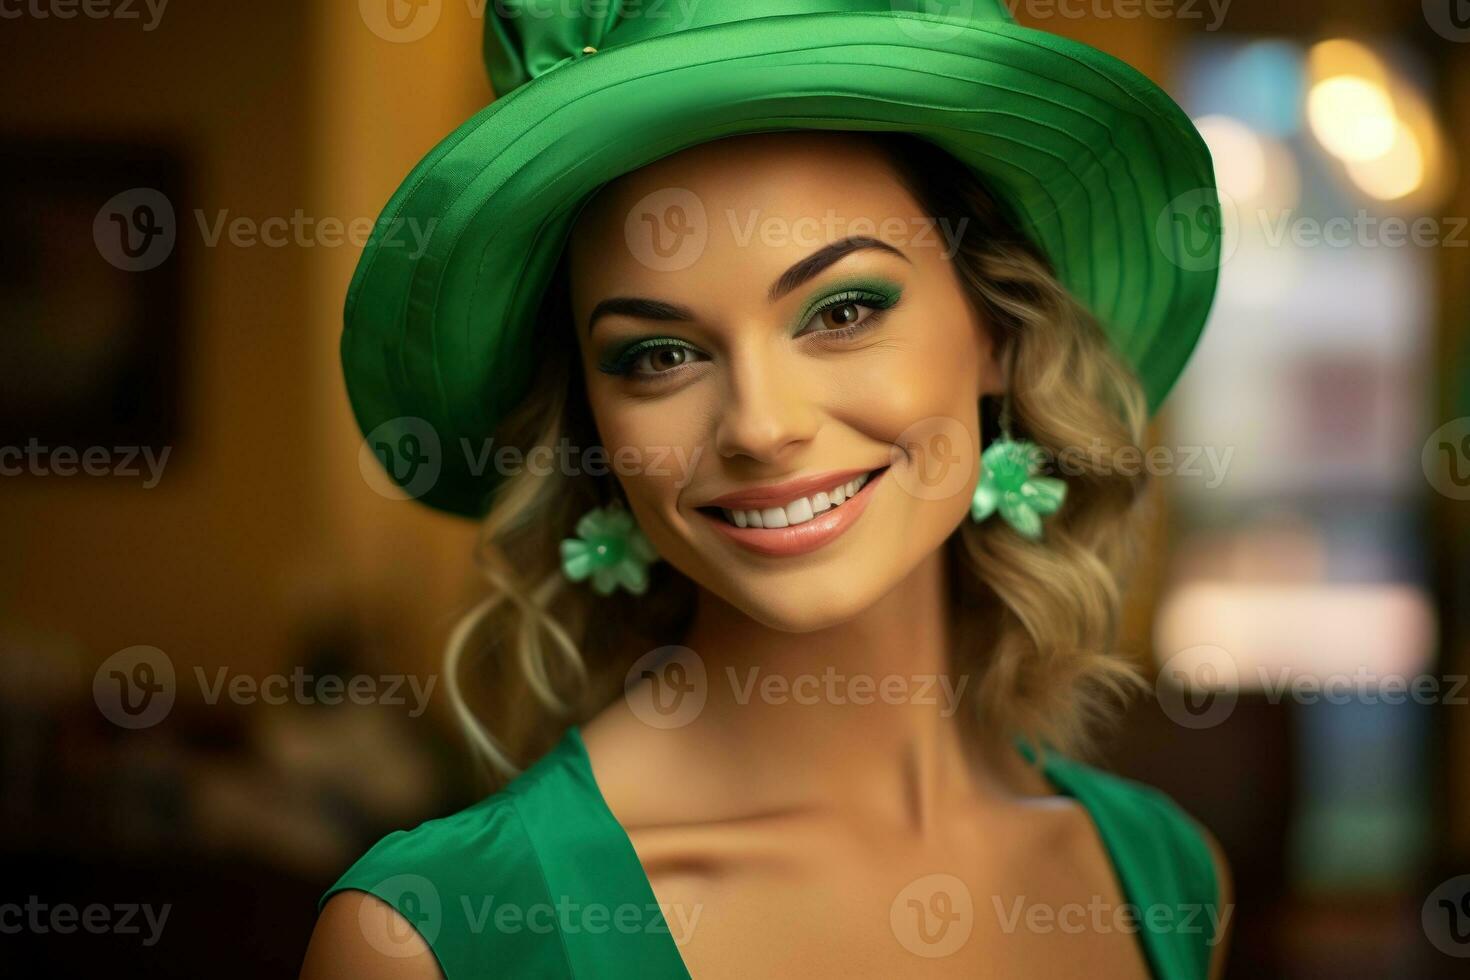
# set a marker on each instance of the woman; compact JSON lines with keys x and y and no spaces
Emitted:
{"x":791,"y":681}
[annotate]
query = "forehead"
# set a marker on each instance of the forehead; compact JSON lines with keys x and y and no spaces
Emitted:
{"x":752,"y":203}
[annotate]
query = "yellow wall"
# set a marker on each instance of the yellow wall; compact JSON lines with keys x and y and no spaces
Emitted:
{"x":199,"y":565}
{"x":261,"y":518}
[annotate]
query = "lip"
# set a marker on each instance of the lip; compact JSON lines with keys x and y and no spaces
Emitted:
{"x":783,"y":542}
{"x":780,"y":494}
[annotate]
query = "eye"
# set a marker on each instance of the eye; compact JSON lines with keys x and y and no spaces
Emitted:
{"x":848,"y":313}
{"x":662,"y":359}
{"x":652,"y":358}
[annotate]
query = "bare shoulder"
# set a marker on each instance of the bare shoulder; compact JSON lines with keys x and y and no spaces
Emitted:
{"x":360,"y":936}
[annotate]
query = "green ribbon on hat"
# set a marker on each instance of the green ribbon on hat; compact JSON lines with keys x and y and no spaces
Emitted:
{"x":525,"y":39}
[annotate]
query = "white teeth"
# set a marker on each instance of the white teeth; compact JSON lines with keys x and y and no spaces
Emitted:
{"x":799,"y":511}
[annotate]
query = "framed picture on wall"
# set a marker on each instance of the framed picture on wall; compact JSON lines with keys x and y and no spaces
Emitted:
{"x":91,"y":288}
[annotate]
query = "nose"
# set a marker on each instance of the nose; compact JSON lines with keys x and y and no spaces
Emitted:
{"x":769,"y":413}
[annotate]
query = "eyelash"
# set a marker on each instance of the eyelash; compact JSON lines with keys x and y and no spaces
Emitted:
{"x":622,"y":363}
{"x":877,"y":302}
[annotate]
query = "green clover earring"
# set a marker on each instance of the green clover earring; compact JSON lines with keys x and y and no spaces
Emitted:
{"x":1009,"y":483}
{"x":610,"y":550}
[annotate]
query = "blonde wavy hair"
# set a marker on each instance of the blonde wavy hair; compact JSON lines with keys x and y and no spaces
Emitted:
{"x":1036,"y":622}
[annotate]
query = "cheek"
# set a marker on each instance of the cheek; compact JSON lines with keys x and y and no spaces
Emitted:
{"x":930,"y":370}
{"x":652,"y":445}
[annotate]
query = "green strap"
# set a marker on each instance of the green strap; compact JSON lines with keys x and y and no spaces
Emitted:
{"x":530,"y":882}
{"x":614,"y":926}
{"x":1163,"y":862}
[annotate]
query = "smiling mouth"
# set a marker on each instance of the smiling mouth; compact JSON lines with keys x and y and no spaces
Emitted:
{"x":797,"y":511}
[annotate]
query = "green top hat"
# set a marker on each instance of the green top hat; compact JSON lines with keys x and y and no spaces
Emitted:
{"x":1105,"y":173}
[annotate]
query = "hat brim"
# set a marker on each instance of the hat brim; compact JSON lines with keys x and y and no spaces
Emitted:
{"x":1104,"y":172}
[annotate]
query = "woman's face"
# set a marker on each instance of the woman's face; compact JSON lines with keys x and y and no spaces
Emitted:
{"x":784,"y":369}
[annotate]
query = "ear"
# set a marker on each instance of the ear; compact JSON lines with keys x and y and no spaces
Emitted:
{"x":992,"y":380}
{"x":992,"y":371}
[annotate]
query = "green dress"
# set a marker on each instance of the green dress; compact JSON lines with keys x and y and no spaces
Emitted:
{"x":540,"y":881}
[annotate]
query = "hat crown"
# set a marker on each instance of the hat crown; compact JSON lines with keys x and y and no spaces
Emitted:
{"x":525,"y":39}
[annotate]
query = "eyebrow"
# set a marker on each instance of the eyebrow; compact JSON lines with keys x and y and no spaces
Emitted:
{"x":804,"y":271}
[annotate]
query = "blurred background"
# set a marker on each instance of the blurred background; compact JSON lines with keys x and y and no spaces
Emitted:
{"x":221,"y":645}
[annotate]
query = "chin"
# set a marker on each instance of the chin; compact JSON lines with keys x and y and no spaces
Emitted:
{"x":797,"y":609}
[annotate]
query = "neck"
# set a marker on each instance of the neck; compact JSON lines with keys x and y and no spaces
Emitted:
{"x":866,"y":712}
